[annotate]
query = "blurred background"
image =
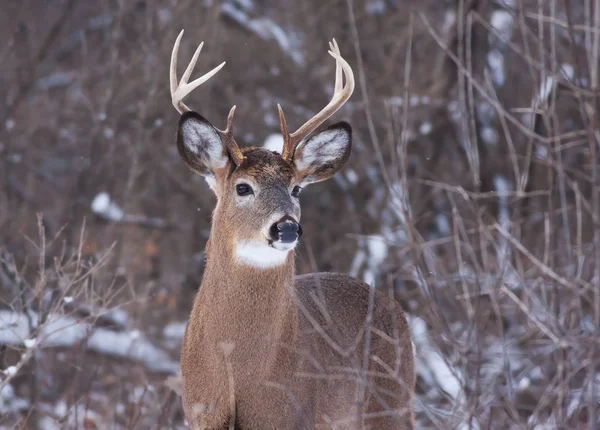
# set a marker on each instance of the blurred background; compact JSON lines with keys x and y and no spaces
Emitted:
{"x":471,"y":192}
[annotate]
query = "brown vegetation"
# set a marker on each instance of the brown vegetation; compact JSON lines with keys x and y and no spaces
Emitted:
{"x":471,"y":191}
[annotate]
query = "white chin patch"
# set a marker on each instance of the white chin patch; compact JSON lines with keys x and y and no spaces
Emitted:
{"x":261,"y":255}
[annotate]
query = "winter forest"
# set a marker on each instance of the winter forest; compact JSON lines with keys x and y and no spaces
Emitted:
{"x":471,"y":195}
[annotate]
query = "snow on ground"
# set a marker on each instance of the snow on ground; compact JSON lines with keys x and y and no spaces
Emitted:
{"x":502,"y":187}
{"x":545,"y":90}
{"x":495,"y":60}
{"x":377,"y":250}
{"x":425,"y":128}
{"x":352,"y":176}
{"x":502,"y":21}
{"x":9,"y":402}
{"x":65,"y":331}
{"x":103,"y":206}
{"x":490,"y":136}
{"x":429,"y":363}
{"x":173,"y":334}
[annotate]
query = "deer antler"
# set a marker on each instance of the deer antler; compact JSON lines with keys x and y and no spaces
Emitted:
{"x":227,"y":138}
{"x":341,"y":94}
{"x":180,"y":90}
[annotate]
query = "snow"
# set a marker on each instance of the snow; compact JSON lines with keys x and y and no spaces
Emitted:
{"x":82,"y":416}
{"x":56,"y":80}
{"x":454,"y":110}
{"x":485,"y":112}
{"x":246,"y":4}
{"x":501,"y":185}
{"x":425,"y":128}
{"x":548,"y":424}
{"x":164,"y":16}
{"x":132,"y":345}
{"x":375,"y":7}
{"x":396,"y":101}
{"x":9,"y":402}
{"x":541,"y":152}
{"x":449,"y":20}
{"x":61,"y":408}
{"x":568,"y":71}
{"x":524,"y":384}
{"x":108,"y":133}
{"x":545,"y":90}
{"x":13,"y":327}
{"x":502,"y":21}
{"x":10,"y":371}
{"x":7,"y":392}
{"x":357,"y":262}
{"x":274,"y":142}
{"x":399,"y":202}
{"x":429,"y":363}
{"x":369,"y":277}
{"x":103,"y":206}
{"x":495,"y":60}
{"x":489,"y":135}
{"x":173,"y":333}
{"x":378,"y":250}
{"x":64,"y":330}
{"x":352,"y":176}
{"x":443,"y":224}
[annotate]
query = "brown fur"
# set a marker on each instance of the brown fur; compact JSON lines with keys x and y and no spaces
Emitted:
{"x":265,"y":349}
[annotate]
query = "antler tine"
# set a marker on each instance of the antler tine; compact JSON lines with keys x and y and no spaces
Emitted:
{"x":173,"y":68}
{"x":333,"y":46}
{"x":180,"y":90}
{"x":227,"y":137}
{"x":341,"y":95}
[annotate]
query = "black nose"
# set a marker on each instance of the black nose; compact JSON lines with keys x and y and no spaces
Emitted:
{"x":285,"y":230}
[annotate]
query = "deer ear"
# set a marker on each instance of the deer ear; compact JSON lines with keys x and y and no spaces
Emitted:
{"x":200,"y":145}
{"x":321,"y":156}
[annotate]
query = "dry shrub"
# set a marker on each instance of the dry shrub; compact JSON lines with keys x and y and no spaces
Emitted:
{"x":472,"y":189}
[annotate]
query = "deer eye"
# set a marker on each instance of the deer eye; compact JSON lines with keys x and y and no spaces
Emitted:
{"x":296,"y":191}
{"x":243,"y":189}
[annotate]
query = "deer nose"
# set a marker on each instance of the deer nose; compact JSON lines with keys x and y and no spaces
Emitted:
{"x":286,"y":230}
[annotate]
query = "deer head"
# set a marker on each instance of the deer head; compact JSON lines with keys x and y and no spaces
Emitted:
{"x":257,"y":217}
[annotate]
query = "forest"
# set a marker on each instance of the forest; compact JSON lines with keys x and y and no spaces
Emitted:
{"x":471,"y":195}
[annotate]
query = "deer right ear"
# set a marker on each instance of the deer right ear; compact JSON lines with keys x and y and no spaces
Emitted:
{"x":200,"y":145}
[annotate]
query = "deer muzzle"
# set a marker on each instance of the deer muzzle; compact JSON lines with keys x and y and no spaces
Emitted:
{"x":286,"y":230}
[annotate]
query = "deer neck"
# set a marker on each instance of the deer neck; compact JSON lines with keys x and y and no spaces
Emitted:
{"x":251,"y":307}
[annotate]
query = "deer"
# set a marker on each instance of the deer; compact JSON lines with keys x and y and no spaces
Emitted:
{"x":264,"y":348}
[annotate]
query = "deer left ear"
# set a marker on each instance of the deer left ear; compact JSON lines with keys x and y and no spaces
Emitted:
{"x":321,"y":156}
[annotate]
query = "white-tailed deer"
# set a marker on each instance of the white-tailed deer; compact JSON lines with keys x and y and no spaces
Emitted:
{"x":265,"y":349}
